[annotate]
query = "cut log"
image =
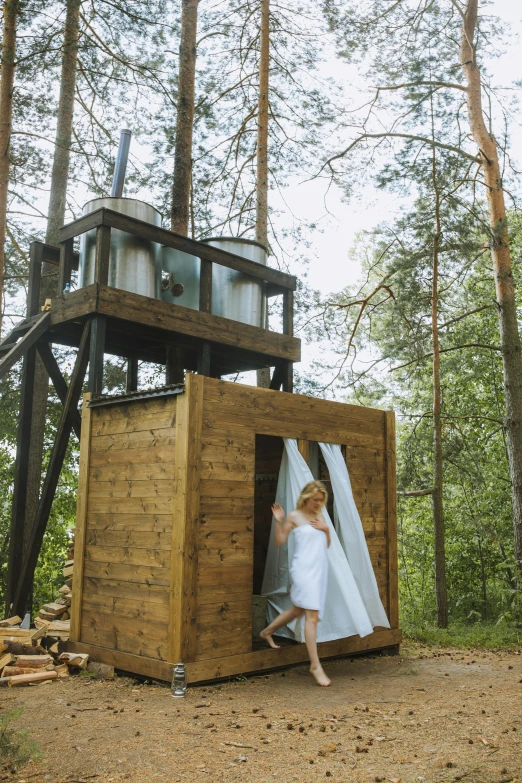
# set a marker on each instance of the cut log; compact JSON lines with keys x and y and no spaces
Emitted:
{"x":75,"y":660}
{"x":6,"y":660}
{"x":102,"y":670}
{"x":33,"y":660}
{"x":15,"y":633}
{"x":10,"y":621}
{"x":59,"y":626}
{"x":38,"y":633}
{"x":22,"y":679}
{"x":41,"y":623}
{"x":19,"y":648}
{"x":65,"y":590}
{"x":50,"y":611}
{"x":68,"y":569}
{"x":10,"y":671}
{"x":62,"y":670}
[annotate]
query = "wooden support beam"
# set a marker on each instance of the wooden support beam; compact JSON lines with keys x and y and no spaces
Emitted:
{"x":283,"y":376}
{"x":39,"y":327}
{"x":25,"y":421}
{"x":277,"y":376}
{"x":81,"y":519}
{"x":96,"y":355}
{"x":36,"y":258}
{"x":51,"y":254}
{"x":304,"y":450}
{"x":204,"y":359}
{"x":288,"y":377}
{"x":103,"y":253}
{"x":53,"y":472}
{"x":175,"y":368}
{"x":205,"y":287}
{"x":288,"y":313}
{"x":182,"y":630}
{"x":18,"y":508}
{"x":131,"y":380}
{"x":66,"y":262}
{"x":391,"y":519}
{"x":59,"y":382}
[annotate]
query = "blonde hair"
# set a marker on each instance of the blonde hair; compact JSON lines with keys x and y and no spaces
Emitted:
{"x":309,"y":491}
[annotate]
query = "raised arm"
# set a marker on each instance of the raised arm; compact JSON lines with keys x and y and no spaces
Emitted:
{"x":283,"y":526}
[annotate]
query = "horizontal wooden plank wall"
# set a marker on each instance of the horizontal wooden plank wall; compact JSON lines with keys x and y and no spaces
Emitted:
{"x":233,"y":415}
{"x":128,"y":530}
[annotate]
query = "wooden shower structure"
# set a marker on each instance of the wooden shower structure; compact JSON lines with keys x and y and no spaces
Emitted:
{"x":176,"y":483}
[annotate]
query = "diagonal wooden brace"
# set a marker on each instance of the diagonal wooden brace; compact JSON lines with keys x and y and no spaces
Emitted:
{"x":59,"y":382}
{"x":22,"y":346}
{"x":53,"y":473}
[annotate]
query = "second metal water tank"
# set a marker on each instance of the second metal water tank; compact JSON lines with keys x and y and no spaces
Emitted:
{"x":181,"y":273}
{"x":236,"y":295}
{"x":135,"y":263}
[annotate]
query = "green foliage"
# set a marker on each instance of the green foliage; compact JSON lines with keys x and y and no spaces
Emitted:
{"x":48,"y":575}
{"x":488,"y":636}
{"x":16,"y":746}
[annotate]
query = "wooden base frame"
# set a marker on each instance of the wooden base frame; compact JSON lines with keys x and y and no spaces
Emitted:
{"x":247,"y":663}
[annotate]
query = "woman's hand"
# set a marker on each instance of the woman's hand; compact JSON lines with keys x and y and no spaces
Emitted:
{"x":278,"y":513}
{"x":320,"y":524}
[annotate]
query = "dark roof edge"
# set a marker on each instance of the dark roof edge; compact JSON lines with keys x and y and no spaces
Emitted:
{"x":146,"y":394}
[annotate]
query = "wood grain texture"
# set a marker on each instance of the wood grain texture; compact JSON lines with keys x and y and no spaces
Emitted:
{"x":246,"y":663}
{"x":81,"y":520}
{"x":391,"y":491}
{"x":182,"y":320}
{"x":185,"y":515}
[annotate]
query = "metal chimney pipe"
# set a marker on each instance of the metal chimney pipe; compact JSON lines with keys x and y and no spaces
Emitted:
{"x":120,"y":167}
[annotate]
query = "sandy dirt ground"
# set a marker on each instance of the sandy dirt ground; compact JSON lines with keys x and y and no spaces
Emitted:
{"x":426,"y":715}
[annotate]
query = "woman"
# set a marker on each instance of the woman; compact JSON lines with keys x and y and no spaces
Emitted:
{"x":309,"y":569}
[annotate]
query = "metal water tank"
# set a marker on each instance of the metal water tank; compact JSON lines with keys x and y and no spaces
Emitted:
{"x":236,"y":295}
{"x":135,"y":263}
{"x":181,"y":273}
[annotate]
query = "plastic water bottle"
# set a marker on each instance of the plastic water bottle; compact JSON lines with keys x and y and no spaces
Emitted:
{"x":67,"y":289}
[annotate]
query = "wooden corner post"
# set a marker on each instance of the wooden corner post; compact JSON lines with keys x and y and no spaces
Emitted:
{"x":81,"y":520}
{"x":391,"y":515}
{"x":182,"y":631}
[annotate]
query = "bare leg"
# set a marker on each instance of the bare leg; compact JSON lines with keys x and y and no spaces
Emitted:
{"x":311,"y":620}
{"x":283,"y":619}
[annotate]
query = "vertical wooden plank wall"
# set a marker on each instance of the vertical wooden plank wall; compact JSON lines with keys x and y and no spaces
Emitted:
{"x":226,"y":531}
{"x":81,"y":519}
{"x":182,"y":631}
{"x":391,"y":504}
{"x":128,"y":527}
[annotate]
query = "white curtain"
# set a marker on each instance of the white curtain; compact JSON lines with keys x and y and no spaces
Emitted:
{"x":351,"y":534}
{"x":345,"y":612}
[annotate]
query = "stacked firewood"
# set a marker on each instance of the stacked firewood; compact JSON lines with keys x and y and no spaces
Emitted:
{"x":53,"y":619}
{"x":23,"y":658}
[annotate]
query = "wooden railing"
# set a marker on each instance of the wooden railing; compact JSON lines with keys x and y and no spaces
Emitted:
{"x":103,"y":220}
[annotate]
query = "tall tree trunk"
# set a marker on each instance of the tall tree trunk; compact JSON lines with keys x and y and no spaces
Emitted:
{"x":500,"y":254}
{"x":179,"y":216}
{"x":62,"y":150}
{"x":10,"y":9}
{"x":180,"y":212}
{"x":55,"y":219}
{"x":263,"y":376}
{"x":262,"y":128}
{"x":438,"y":508}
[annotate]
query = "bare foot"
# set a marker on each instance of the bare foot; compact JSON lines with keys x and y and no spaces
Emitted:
{"x":267,"y":637}
{"x":320,"y":676}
